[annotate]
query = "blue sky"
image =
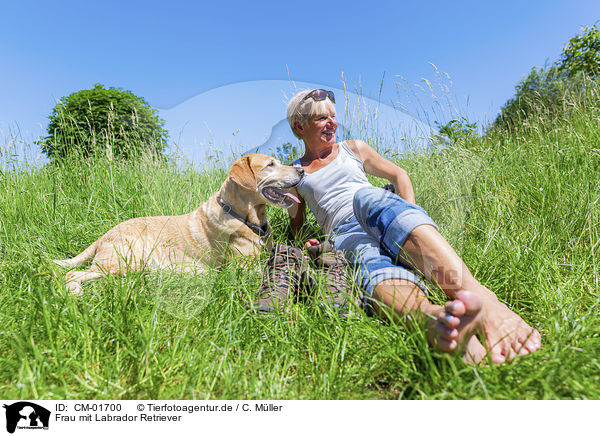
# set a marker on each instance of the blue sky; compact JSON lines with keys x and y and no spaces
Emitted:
{"x":219,"y":72}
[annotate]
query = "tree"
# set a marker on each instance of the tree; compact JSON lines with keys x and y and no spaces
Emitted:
{"x":106,"y":121}
{"x":582,"y":53}
{"x":542,"y":93}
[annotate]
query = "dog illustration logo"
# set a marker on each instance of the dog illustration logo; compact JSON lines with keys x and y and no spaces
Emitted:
{"x":26,"y":415}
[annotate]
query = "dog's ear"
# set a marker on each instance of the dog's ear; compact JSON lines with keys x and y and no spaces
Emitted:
{"x":243,"y":174}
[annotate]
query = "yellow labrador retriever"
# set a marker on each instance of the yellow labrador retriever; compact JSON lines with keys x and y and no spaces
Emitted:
{"x":233,"y":220}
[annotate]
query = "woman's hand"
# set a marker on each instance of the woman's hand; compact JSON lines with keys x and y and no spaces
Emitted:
{"x":310,"y":243}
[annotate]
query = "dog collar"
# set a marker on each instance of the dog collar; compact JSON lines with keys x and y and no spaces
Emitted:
{"x":259,"y":230}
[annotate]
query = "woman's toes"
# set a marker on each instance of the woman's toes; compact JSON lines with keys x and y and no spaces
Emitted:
{"x":449,"y":321}
{"x":445,"y":345}
{"x":447,"y":333}
{"x":456,"y":324}
{"x":532,"y":346}
{"x":455,"y":308}
{"x":531,"y":342}
{"x":498,"y":354}
{"x":471,"y":302}
{"x":535,"y":340}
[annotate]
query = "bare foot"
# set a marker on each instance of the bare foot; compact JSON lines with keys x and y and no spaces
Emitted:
{"x":455,"y":326}
{"x":507,"y":335}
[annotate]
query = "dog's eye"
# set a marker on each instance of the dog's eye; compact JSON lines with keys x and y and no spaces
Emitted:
{"x":272,"y":163}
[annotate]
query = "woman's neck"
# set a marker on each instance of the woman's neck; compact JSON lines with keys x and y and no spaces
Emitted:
{"x":320,"y":151}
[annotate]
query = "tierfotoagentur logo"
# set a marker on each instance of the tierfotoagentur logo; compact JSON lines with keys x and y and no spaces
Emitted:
{"x":27,"y":416}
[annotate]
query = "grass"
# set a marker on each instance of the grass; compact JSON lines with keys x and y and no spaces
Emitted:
{"x":521,"y":207}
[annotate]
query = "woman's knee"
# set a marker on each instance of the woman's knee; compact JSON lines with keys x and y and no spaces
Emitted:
{"x":436,"y":259}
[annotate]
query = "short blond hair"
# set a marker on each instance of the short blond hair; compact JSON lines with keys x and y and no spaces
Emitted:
{"x":299,"y":109}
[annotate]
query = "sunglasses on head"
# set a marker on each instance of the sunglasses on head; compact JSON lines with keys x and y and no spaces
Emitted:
{"x":319,"y":95}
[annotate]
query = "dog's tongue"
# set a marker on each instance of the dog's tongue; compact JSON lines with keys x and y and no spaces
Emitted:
{"x":292,"y":196}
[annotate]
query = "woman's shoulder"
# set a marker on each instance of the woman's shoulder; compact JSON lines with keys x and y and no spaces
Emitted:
{"x":355,"y":145}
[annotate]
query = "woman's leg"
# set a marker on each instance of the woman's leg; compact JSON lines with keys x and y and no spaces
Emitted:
{"x":506,"y":333}
{"x":450,"y":328}
{"x":405,"y":231}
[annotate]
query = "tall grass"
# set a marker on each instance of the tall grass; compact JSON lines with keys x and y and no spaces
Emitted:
{"x":520,"y":207}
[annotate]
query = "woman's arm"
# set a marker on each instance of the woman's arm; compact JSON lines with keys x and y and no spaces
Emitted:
{"x":297,"y":216}
{"x":378,"y":166}
{"x":296,"y":212}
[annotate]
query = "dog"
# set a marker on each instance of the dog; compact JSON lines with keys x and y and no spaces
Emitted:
{"x":232,"y":220}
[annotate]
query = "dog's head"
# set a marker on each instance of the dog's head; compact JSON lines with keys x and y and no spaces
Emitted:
{"x":266,"y":177}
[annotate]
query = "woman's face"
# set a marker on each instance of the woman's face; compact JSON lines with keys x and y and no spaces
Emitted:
{"x":320,"y":129}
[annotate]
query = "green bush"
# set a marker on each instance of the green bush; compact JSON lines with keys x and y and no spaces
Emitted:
{"x":103,"y":121}
{"x":582,"y":53}
{"x":542,"y":94}
{"x":456,"y":131}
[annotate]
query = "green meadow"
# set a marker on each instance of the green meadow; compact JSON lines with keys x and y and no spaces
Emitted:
{"x":520,"y":205}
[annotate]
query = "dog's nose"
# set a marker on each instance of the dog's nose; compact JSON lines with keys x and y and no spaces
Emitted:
{"x":300,"y":171}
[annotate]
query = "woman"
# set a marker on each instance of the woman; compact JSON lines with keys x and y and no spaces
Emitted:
{"x":378,"y":230}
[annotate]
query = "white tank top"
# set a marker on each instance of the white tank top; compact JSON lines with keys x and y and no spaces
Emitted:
{"x":329,"y":192}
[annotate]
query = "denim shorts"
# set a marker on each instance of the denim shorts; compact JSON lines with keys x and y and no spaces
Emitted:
{"x":372,"y":239}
